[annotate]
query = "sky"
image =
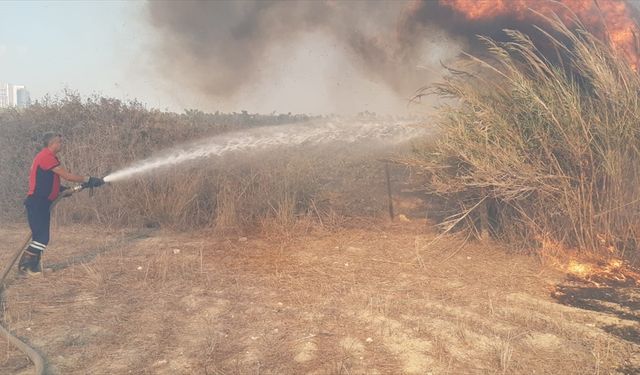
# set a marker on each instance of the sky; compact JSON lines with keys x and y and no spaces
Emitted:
{"x":90,"y":47}
{"x":104,"y":47}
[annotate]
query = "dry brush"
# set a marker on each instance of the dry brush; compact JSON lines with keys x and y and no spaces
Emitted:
{"x":233,"y":194}
{"x":540,"y":148}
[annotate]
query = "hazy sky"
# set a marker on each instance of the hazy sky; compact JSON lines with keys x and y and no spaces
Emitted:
{"x":85,"y":46}
{"x":105,"y":47}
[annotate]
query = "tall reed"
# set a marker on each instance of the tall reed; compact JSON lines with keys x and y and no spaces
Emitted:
{"x":546,"y":147}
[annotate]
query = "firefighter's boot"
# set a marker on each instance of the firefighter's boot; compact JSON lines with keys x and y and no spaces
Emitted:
{"x":30,"y":262}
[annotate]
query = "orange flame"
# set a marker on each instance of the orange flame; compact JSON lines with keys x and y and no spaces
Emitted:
{"x":615,"y":271}
{"x":579,"y":269}
{"x":597,"y":268}
{"x":609,"y":20}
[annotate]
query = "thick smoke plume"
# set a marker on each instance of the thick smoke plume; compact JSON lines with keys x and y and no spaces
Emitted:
{"x":220,"y":47}
{"x":614,"y":22}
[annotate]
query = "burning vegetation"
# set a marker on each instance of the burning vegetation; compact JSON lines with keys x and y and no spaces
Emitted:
{"x":542,"y":141}
{"x":538,"y":146}
{"x":541,"y":145}
{"x":611,"y":21}
{"x":221,"y":48}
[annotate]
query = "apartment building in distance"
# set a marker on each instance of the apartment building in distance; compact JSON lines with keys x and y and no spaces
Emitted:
{"x":14,"y":96}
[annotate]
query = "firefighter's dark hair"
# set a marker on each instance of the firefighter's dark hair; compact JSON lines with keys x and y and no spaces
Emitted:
{"x":48,"y":136}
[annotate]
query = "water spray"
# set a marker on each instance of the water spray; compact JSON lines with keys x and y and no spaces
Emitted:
{"x":268,"y":138}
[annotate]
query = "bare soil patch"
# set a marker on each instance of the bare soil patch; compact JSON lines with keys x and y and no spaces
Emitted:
{"x":375,"y":299}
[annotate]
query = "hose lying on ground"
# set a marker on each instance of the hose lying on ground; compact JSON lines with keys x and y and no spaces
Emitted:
{"x":33,"y":355}
{"x":12,"y":261}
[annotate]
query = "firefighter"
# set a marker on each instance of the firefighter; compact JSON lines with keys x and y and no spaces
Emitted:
{"x":44,"y":188}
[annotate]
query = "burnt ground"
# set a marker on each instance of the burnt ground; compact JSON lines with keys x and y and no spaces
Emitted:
{"x":370,"y":299}
{"x":619,"y":301}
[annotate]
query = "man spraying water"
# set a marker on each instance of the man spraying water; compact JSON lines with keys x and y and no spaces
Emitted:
{"x":44,"y":189}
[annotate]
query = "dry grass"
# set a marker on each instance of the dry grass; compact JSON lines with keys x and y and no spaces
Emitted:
{"x":228,"y":195}
{"x":545,"y":149}
{"x":350,"y":303}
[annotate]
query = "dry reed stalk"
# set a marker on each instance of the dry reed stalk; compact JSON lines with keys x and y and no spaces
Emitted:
{"x":552,"y":147}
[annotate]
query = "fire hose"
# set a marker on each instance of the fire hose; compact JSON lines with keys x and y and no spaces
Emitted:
{"x":33,"y":355}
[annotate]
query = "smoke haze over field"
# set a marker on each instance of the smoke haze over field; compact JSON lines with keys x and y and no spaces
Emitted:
{"x":307,"y":56}
{"x":341,"y":56}
{"x":359,"y":50}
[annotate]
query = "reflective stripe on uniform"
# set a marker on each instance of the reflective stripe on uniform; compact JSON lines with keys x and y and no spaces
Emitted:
{"x":37,"y":245}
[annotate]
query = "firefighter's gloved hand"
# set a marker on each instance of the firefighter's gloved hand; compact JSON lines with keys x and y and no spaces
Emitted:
{"x":65,"y":192}
{"x":93,"y":182}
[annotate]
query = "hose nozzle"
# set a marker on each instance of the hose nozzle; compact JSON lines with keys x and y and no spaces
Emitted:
{"x":93,"y":182}
{"x":76,"y":189}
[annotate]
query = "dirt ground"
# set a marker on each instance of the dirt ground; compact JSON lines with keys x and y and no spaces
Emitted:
{"x":379,"y":300}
